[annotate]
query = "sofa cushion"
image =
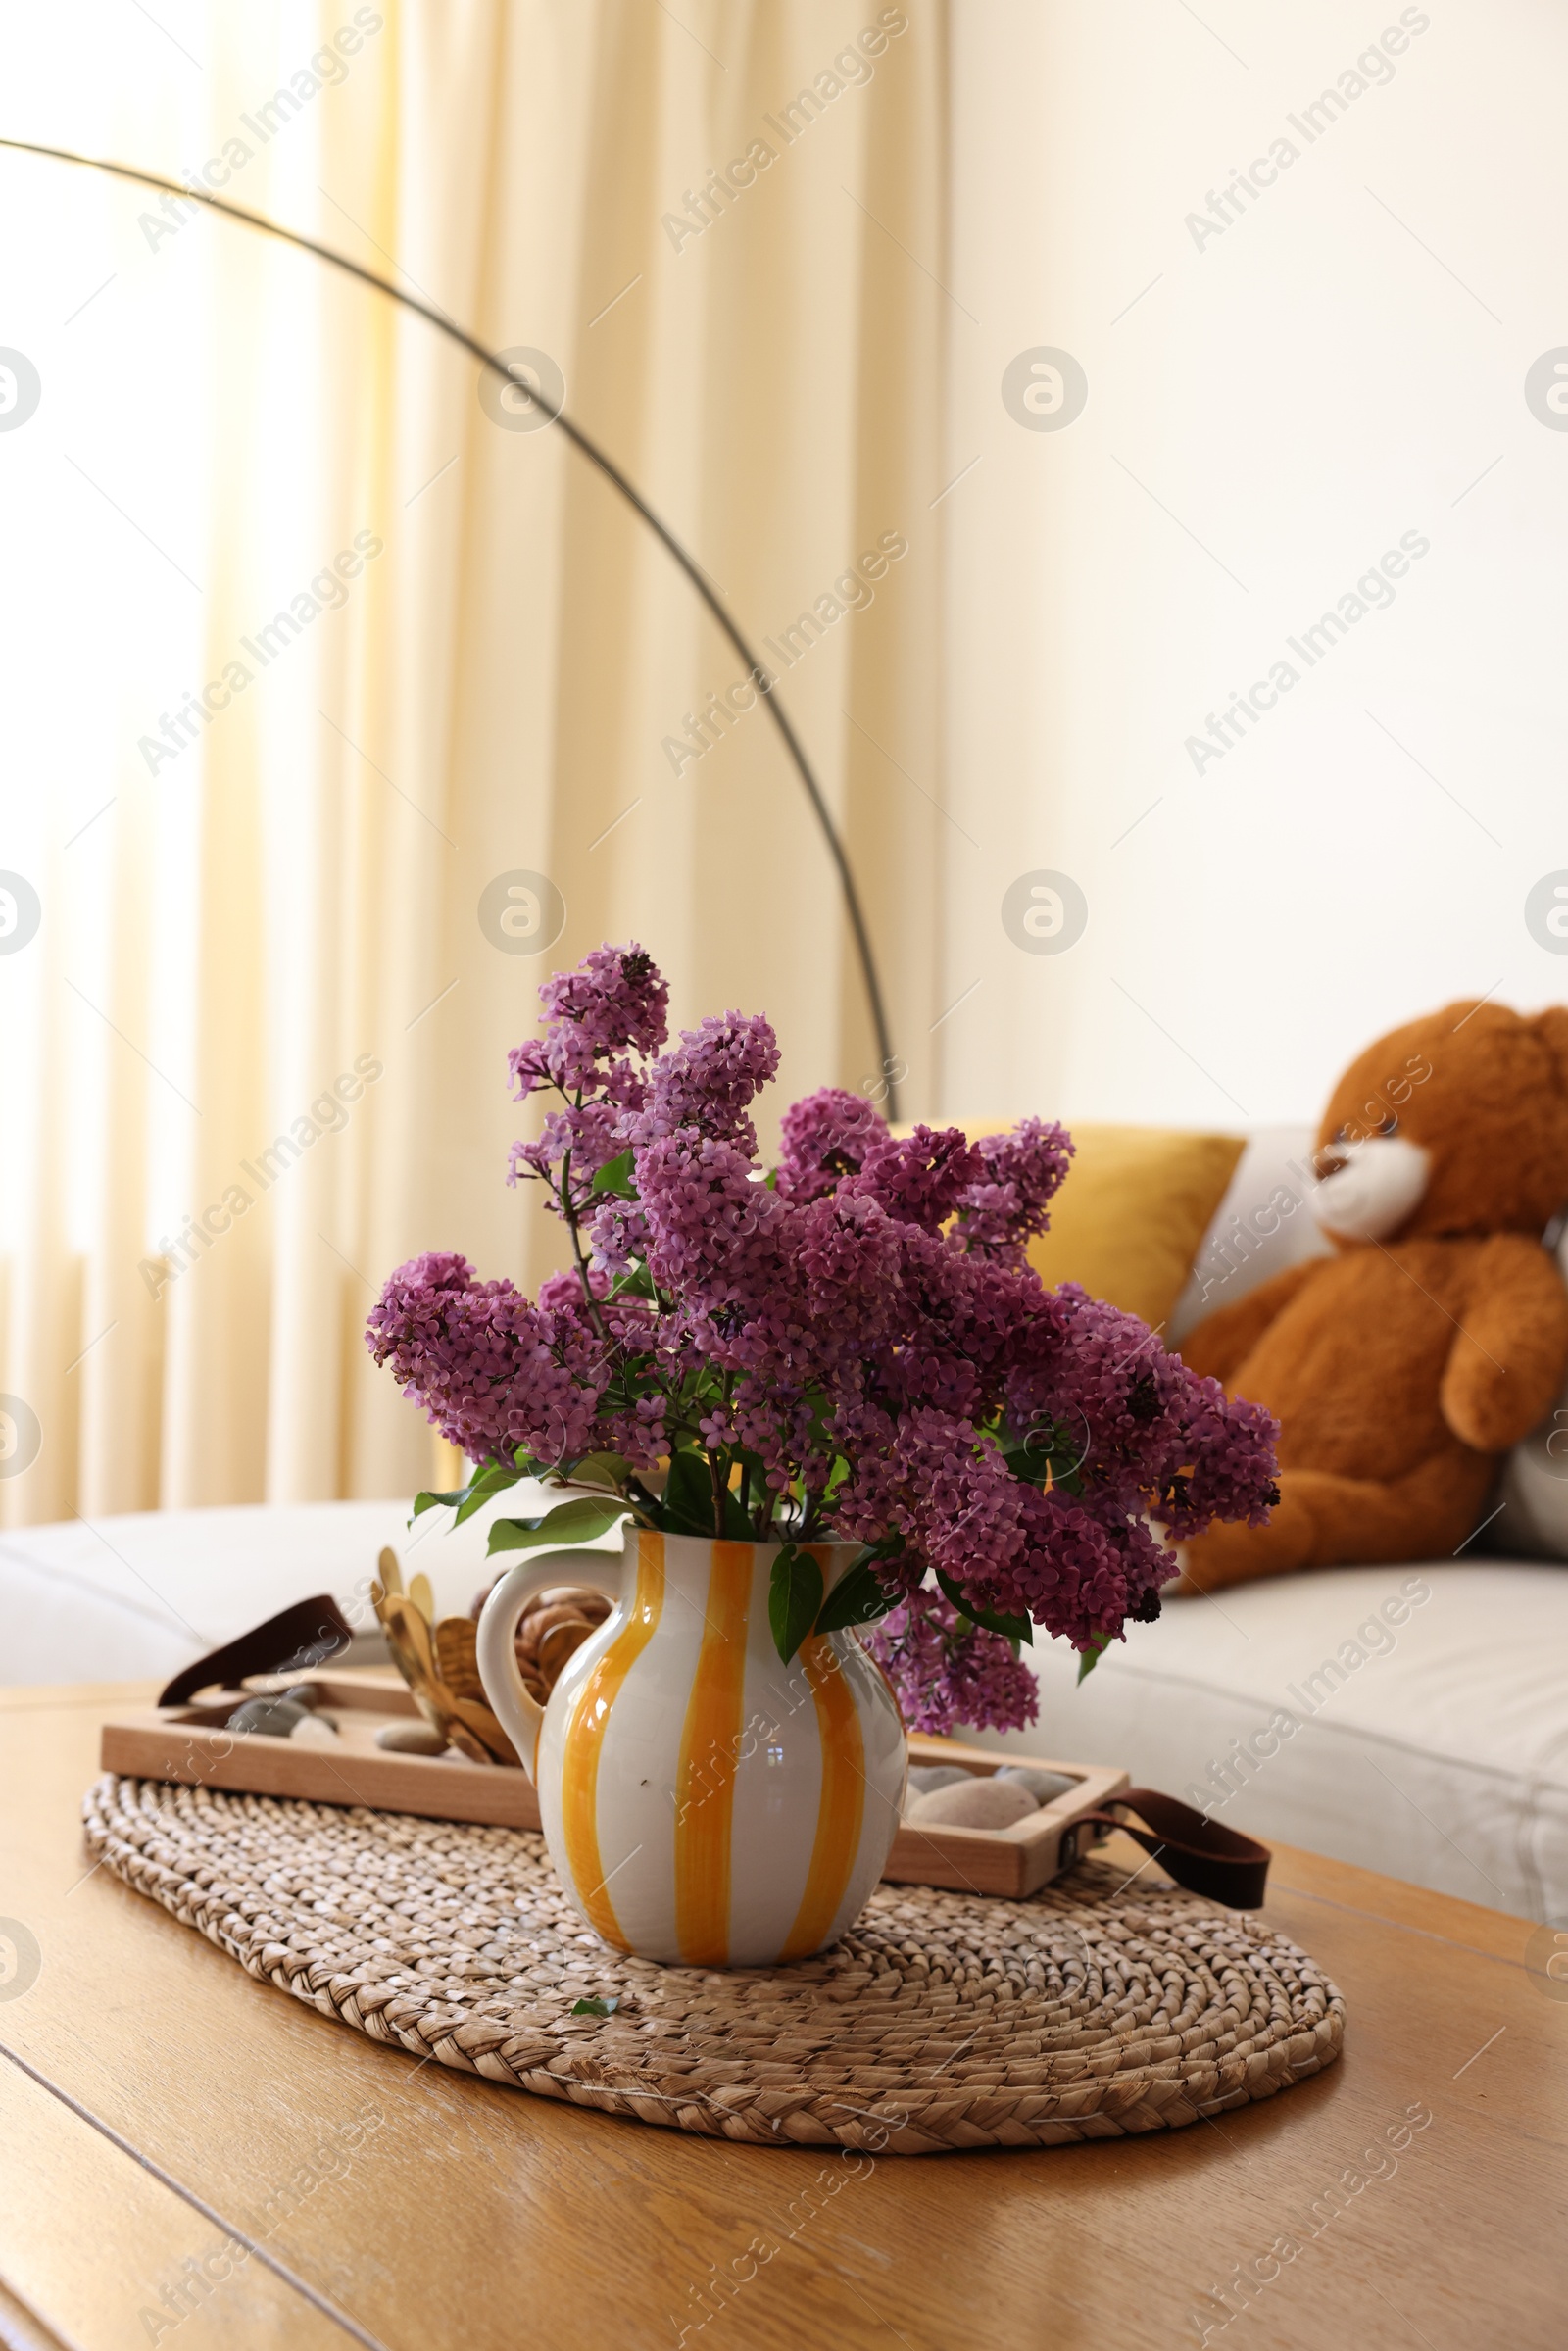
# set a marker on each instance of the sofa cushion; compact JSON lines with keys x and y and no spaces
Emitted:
{"x":1263,"y":1225}
{"x":131,"y":1597}
{"x":1427,"y":1737}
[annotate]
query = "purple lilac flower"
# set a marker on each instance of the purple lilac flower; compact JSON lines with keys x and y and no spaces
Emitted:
{"x":825,"y":1136}
{"x":492,"y":1371}
{"x":1004,"y":1208}
{"x":590,"y":1132}
{"x":1144,"y":1420}
{"x":708,"y":1081}
{"x":920,"y":1178}
{"x":946,"y":1672}
{"x":714,"y":1228}
{"x":614,"y":1000}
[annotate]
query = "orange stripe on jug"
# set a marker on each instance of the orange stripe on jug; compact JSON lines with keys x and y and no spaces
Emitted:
{"x":710,"y":1748}
{"x":841,"y":1807}
{"x":584,"y":1740}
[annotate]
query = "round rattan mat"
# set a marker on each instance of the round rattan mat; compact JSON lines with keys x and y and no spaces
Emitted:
{"x":942,"y":2020}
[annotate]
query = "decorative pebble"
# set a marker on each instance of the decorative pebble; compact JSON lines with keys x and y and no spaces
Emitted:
{"x":314,"y":1731}
{"x":1042,"y":1785}
{"x":303,"y":1694}
{"x":980,"y":1803}
{"x":924,"y":1777}
{"x":410,"y":1739}
{"x":274,"y":1718}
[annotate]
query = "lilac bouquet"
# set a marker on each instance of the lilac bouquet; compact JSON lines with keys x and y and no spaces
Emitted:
{"x":851,"y":1346}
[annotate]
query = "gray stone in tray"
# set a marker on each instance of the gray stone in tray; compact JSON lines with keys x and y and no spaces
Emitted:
{"x":274,"y":1718}
{"x":1042,"y":1785}
{"x":984,"y":1802}
{"x":410,"y":1739}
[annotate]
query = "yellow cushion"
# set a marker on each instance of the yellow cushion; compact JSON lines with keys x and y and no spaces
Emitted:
{"x":1128,"y":1220}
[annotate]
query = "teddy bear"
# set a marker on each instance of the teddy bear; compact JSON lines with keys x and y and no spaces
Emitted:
{"x":1436,"y":1336}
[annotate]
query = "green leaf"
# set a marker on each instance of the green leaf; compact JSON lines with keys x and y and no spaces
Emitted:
{"x":493,"y":1479}
{"x":600,"y":1469}
{"x":689,"y":1495}
{"x":594,"y":2007}
{"x":430,"y":1502}
{"x":577,"y":1521}
{"x":835,"y":1478}
{"x":1011,"y":1627}
{"x":794,"y":1599}
{"x":858,"y":1597}
{"x":1089,"y":1658}
{"x":615,"y":1176}
{"x":639,"y":1283}
{"x":1059,"y":1459}
{"x":758,"y":1492}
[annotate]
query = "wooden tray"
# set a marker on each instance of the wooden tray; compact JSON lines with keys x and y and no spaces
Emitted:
{"x":190,"y":1746}
{"x":1011,"y":1861}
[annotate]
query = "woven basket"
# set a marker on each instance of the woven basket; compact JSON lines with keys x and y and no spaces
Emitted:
{"x":1097,"y":2008}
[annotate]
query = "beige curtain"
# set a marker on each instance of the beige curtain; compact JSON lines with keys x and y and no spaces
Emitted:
{"x":485,"y":667}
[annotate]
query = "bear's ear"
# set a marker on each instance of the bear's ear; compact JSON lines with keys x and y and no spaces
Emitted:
{"x":1551,"y":1027}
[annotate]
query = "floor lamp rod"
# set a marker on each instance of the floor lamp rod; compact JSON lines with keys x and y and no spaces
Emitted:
{"x":607,"y":465}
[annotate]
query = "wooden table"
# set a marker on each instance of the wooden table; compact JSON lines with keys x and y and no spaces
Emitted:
{"x":157,"y":2105}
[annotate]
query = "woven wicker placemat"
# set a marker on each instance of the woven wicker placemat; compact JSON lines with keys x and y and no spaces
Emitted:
{"x":941,"y":2021}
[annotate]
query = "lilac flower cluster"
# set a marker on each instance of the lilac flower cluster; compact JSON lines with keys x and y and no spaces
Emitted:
{"x":949,"y":1671}
{"x":493,"y":1372}
{"x":855,"y":1345}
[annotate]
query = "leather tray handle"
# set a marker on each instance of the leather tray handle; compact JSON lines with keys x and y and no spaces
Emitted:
{"x":297,"y":1638}
{"x":1199,"y":1854}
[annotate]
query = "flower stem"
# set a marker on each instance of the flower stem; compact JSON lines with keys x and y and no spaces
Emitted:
{"x":569,"y":1217}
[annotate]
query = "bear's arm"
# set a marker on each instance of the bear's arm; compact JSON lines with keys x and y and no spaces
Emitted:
{"x":1505,"y":1366}
{"x":1220,"y":1343}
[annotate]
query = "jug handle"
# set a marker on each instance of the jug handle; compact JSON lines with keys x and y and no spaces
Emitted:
{"x":519,"y":1715}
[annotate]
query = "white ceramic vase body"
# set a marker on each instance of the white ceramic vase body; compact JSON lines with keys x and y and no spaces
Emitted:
{"x":702,"y":1802}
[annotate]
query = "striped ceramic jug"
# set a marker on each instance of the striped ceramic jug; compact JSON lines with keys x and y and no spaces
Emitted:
{"x":702,"y":1802}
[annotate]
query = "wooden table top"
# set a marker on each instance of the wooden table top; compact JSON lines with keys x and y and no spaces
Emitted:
{"x":158,"y":2109}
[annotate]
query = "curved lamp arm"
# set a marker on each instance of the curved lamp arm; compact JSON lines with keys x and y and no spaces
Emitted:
{"x":607,"y":465}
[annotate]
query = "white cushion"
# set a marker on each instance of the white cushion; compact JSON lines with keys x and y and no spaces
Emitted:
{"x":1263,"y":1225}
{"x":140,"y":1596}
{"x":1440,"y":1757}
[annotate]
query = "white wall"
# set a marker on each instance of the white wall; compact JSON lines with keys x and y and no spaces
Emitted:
{"x":1297,"y":392}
